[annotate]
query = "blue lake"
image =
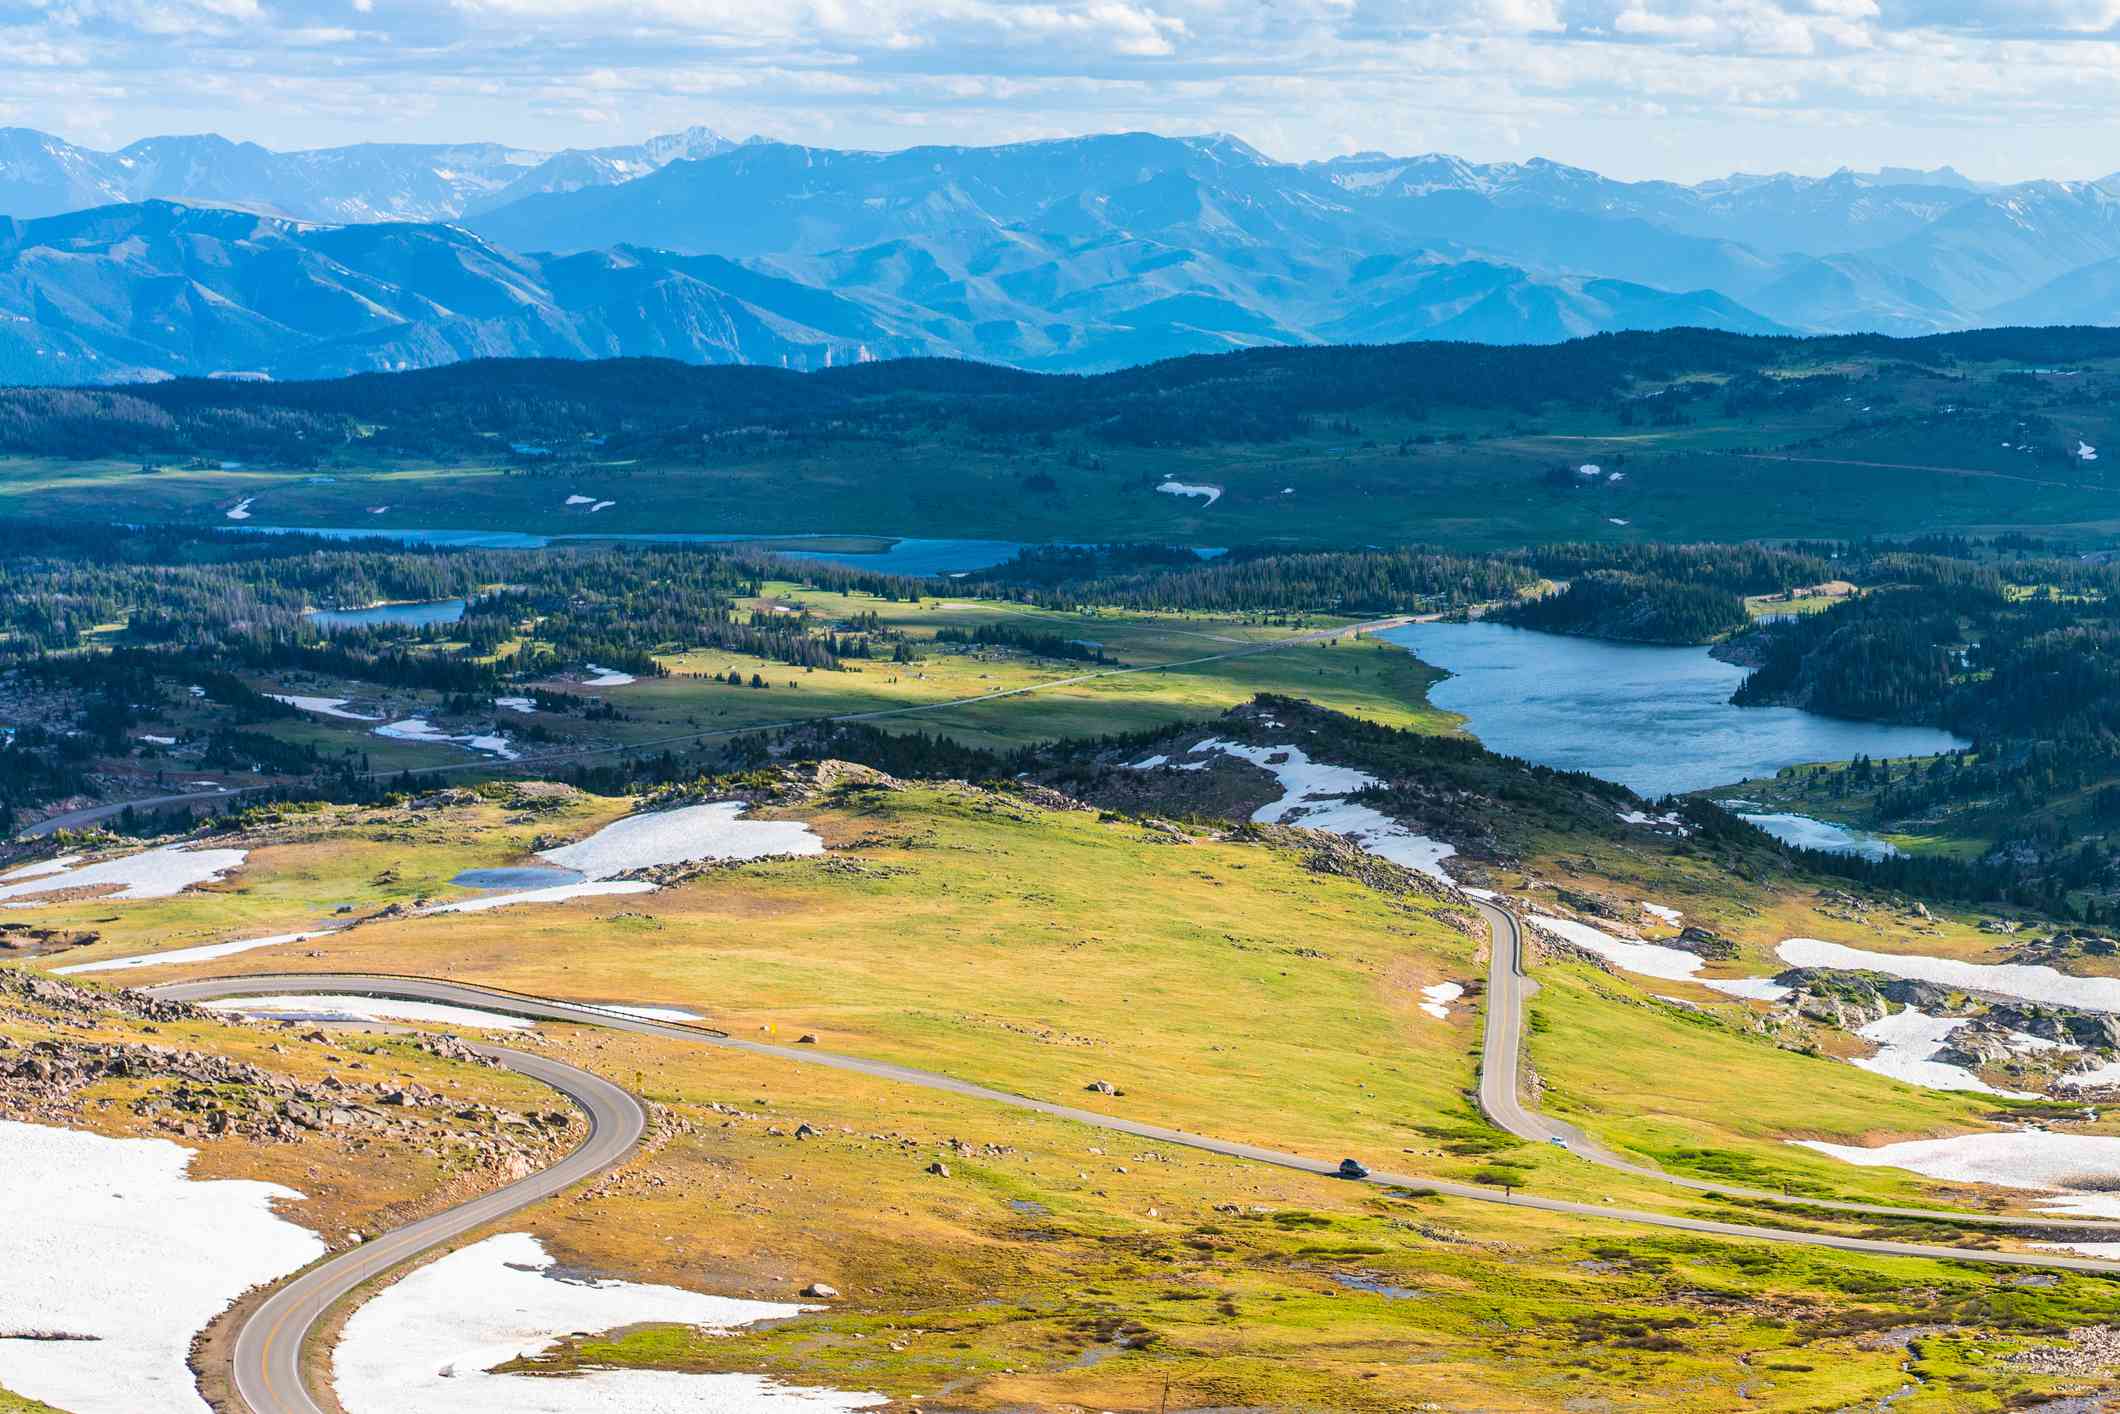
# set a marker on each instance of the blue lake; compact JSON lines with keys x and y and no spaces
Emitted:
{"x":1657,"y":720}
{"x":518,"y":876}
{"x":1807,"y":833}
{"x":434,"y":611}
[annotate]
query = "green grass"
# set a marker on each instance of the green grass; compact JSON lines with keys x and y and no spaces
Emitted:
{"x":1201,"y":666}
{"x":1456,"y":477}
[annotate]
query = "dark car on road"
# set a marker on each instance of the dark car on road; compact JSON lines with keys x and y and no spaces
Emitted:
{"x":1353,"y":1168}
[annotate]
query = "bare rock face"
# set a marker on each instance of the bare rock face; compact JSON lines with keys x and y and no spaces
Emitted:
{"x":1595,"y":905}
{"x":1703,"y":943}
{"x":1977,"y":1043}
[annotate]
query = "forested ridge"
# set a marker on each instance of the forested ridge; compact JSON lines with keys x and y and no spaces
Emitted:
{"x":1247,"y":396}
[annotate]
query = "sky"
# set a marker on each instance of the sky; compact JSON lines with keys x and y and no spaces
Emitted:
{"x":1682,"y":89}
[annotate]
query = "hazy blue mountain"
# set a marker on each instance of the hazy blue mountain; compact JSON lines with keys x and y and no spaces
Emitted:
{"x":1858,"y":293}
{"x":1476,"y":300}
{"x":2003,"y":245}
{"x":41,"y":175}
{"x":153,"y":289}
{"x":2088,"y":295}
{"x":1073,"y":254}
{"x":157,"y":289}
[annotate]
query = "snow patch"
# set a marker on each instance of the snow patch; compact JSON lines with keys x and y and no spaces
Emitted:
{"x":1656,"y":960}
{"x":2026,"y":982}
{"x":317,"y":1007}
{"x":154,"y":873}
{"x":580,"y":500}
{"x":44,"y":866}
{"x":2074,"y":1169}
{"x":1439,"y":997}
{"x":177,"y":956}
{"x":555,"y":893}
{"x":1907,"y":1042}
{"x":1668,"y":915}
{"x":515,"y":704}
{"x":429,"y":1341}
{"x":1314,"y":795}
{"x":606,"y":677}
{"x":128,"y":1249}
{"x":421,"y":730}
{"x":1211,"y":494}
{"x":241,"y":509}
{"x":681,"y":836}
{"x":323,"y":706}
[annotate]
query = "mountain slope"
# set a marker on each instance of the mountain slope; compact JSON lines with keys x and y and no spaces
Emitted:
{"x":156,"y":289}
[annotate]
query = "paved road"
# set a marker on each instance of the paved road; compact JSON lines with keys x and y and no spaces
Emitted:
{"x":74,"y":818}
{"x":549,"y":1009}
{"x":1501,"y":1062}
{"x":267,"y":1363}
{"x":546,"y":760}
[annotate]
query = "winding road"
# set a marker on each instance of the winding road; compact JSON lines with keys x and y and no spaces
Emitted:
{"x":267,"y":1360}
{"x":268,"y":1348}
{"x":1501,"y":1062}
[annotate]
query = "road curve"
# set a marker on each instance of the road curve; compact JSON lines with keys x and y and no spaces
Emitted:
{"x":1501,"y":1061}
{"x":549,"y":1009}
{"x":267,"y":1361}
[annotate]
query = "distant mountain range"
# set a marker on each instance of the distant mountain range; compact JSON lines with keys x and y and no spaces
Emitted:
{"x":201,"y":256}
{"x":41,"y":175}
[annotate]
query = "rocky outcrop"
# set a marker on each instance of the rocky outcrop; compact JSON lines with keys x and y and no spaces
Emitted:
{"x":1702,"y":943}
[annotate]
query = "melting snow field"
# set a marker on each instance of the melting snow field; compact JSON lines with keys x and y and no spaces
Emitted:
{"x":42,"y":866}
{"x":1656,"y":960}
{"x":1906,"y":1042}
{"x":1210,"y":494}
{"x":427,"y":1342}
{"x":323,"y":706}
{"x":241,"y":509}
{"x":555,"y":893}
{"x":1664,"y":915}
{"x":2026,"y":982}
{"x":420,"y":729}
{"x":2107,"y":1074}
{"x":680,"y":836}
{"x":125,"y":1248}
{"x":2076,"y":1168}
{"x":651,"y":1013}
{"x":204,"y":953}
{"x":515,"y":704}
{"x":1439,"y":997}
{"x":606,"y":677}
{"x":317,"y":1007}
{"x":1314,"y":796}
{"x":154,"y":873}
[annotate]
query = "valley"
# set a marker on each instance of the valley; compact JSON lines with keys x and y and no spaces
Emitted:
{"x":939,"y":946}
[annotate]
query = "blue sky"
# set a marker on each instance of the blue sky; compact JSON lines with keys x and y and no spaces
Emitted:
{"x":1636,"y":88}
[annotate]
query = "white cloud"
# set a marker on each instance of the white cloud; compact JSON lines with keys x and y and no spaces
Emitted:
{"x":1638,"y":87}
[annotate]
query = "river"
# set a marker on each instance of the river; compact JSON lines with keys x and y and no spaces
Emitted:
{"x":1655,"y":719}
